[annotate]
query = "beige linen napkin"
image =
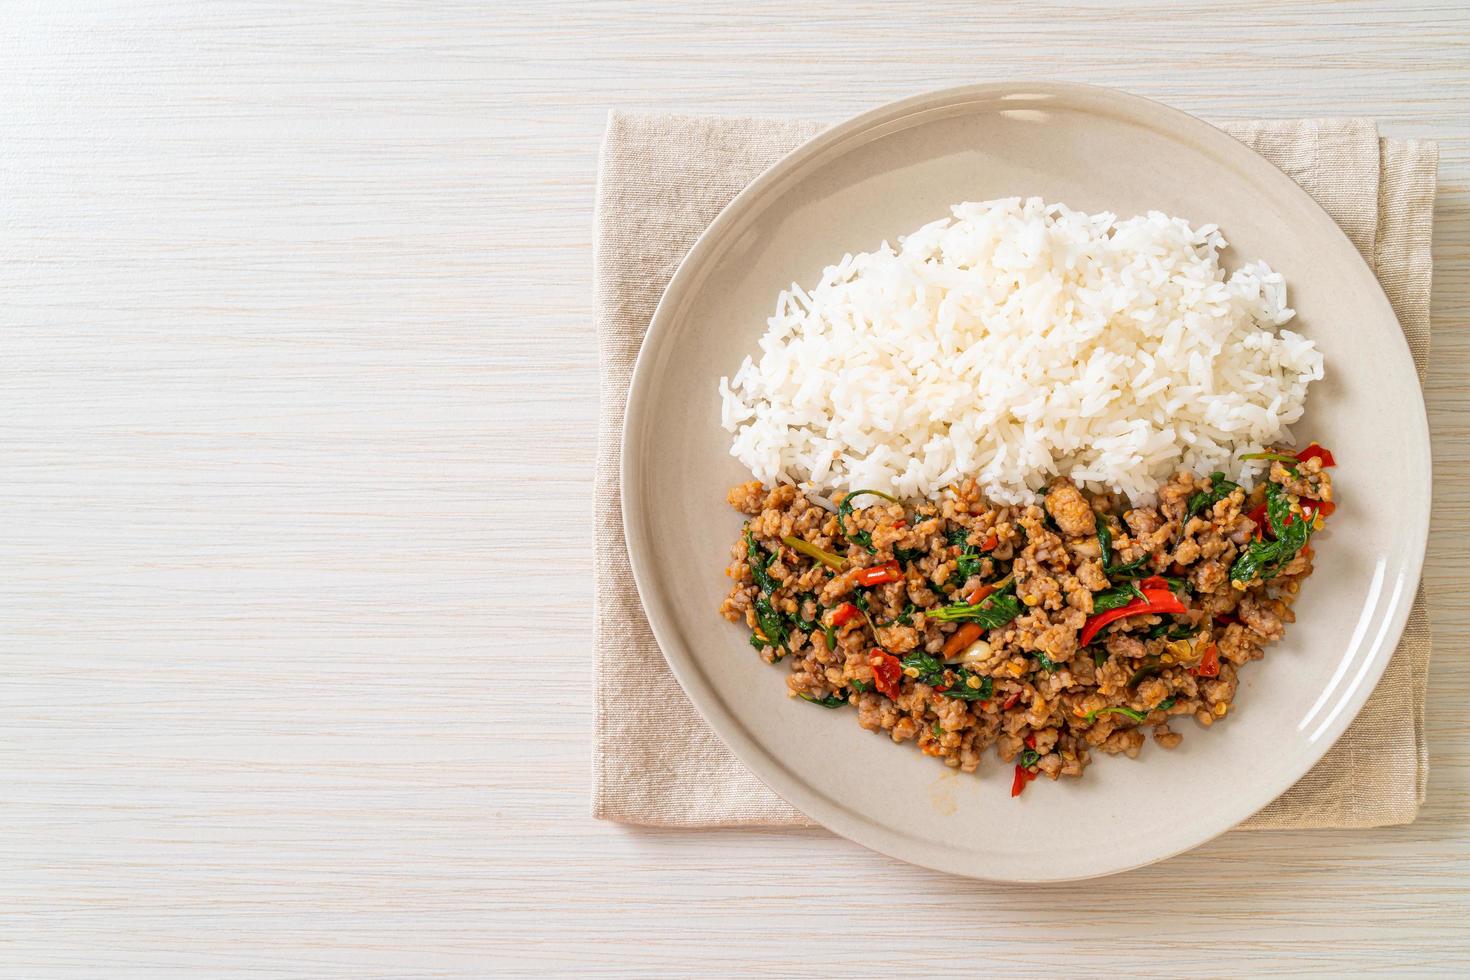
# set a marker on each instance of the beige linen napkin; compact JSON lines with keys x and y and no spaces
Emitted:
{"x":662,"y":180}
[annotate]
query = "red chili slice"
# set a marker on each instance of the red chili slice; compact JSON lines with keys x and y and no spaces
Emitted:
{"x":1156,"y":601}
{"x":1010,"y":702}
{"x":879,"y":574}
{"x":886,"y":672}
{"x":1258,"y":517}
{"x":961,"y":638}
{"x":980,"y":593}
{"x":990,"y":543}
{"x":1209,"y":666}
{"x":1311,"y":508}
{"x":845,"y":613}
{"x":1315,"y":451}
{"x":1030,"y":741}
{"x":1022,"y":778}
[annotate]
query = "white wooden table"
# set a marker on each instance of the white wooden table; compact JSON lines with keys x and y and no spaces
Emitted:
{"x":297,"y":395}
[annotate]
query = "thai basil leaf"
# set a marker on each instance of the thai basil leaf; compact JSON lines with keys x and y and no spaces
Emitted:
{"x":844,"y":511}
{"x":907,"y":555}
{"x":1130,"y":570}
{"x":1169,"y":631}
{"x":831,"y":701}
{"x":961,"y":690}
{"x":1263,"y":559}
{"x":1220,"y":488}
{"x":1256,"y":562}
{"x":1151,"y":667}
{"x":992,"y":612}
{"x":1115,"y":710}
{"x":930,"y":668}
{"x":968,"y":565}
{"x":1115,"y":598}
{"x":1105,"y":540}
{"x":770,"y":621}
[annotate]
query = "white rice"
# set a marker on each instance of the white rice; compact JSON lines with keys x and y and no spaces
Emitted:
{"x":1016,"y":341}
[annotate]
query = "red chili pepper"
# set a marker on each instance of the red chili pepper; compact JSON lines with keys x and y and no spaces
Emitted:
{"x":1155,"y":582}
{"x":990,"y":543}
{"x":1315,"y":451}
{"x":1258,"y":517}
{"x":879,"y":574}
{"x":845,"y":613}
{"x":1210,"y":665}
{"x":1031,"y":741}
{"x":886,"y":672}
{"x":1022,"y":778}
{"x":1311,"y":508}
{"x":901,"y":522}
{"x":1155,"y":601}
{"x":1010,"y":702}
{"x":1226,"y":620}
{"x":961,"y":638}
{"x":980,"y":593}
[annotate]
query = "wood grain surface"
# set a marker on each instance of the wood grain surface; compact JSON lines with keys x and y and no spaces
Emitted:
{"x":297,"y":400}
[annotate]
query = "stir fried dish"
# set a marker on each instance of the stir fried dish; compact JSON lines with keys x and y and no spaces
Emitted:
{"x":1047,"y":630}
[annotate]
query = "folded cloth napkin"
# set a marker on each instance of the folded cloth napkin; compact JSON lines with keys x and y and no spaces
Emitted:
{"x":662,"y":180}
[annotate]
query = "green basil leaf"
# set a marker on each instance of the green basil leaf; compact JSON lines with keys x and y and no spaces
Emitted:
{"x":961,"y":690}
{"x":1130,"y":570}
{"x":930,"y":668}
{"x":1115,"y":710}
{"x":1115,"y":598}
{"x":1264,"y":559}
{"x":844,"y":511}
{"x":992,"y":612}
{"x":1220,"y":488}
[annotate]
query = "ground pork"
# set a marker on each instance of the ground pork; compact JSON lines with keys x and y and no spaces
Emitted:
{"x":909,"y":635}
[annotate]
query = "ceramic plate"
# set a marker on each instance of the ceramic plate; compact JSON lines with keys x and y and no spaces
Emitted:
{"x":888,"y":172}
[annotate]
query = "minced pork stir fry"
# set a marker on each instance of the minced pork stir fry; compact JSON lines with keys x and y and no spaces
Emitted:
{"x":1046,"y":630}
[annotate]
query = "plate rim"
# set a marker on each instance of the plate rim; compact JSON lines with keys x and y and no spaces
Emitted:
{"x":825,"y":810}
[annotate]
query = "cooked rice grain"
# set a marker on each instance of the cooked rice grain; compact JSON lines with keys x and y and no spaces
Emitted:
{"x":1016,"y":341}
